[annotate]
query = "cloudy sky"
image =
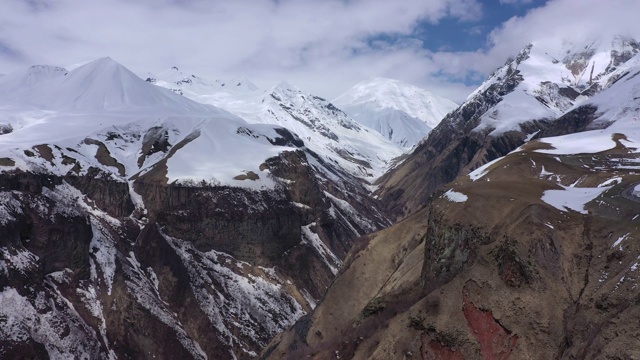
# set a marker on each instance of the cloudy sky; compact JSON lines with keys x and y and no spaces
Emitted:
{"x":322,"y":46}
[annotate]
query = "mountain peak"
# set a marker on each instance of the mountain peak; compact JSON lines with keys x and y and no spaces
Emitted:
{"x":97,"y":86}
{"x":385,"y":93}
{"x":402,"y":112}
{"x":284,"y":86}
{"x":11,"y":83}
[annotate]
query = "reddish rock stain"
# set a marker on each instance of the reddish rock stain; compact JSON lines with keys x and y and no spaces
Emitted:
{"x":495,"y":342}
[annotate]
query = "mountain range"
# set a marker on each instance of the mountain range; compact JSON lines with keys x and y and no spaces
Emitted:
{"x":172,"y":216}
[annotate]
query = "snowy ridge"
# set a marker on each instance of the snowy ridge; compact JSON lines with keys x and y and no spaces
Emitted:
{"x":197,"y":88}
{"x":401,"y":112}
{"x":546,"y":80}
{"x":619,"y":114}
{"x":99,"y":86}
{"x":325,"y":129}
{"x":29,"y":78}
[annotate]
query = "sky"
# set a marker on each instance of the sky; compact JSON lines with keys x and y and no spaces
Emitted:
{"x":321,"y":46}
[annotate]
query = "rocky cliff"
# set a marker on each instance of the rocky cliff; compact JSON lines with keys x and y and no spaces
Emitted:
{"x":494,"y":268}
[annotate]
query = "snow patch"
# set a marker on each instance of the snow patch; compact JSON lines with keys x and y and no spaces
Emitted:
{"x":572,"y":198}
{"x":613,"y":181}
{"x":483,"y":170}
{"x":455,"y":196}
{"x":619,"y":241}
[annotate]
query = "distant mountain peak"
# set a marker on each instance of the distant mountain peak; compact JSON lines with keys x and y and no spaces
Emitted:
{"x":284,"y":86}
{"x":192,"y":85}
{"x":401,"y":112}
{"x":11,"y":83}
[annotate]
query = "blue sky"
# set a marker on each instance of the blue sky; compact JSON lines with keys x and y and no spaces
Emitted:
{"x":451,"y":34}
{"x":322,"y":46}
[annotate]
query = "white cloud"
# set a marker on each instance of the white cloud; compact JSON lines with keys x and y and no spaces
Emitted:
{"x":515,"y":1}
{"x":321,"y":46}
{"x":315,"y":42}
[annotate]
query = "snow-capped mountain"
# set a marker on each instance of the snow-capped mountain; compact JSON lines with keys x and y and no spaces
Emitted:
{"x":401,"y":112}
{"x":546,"y":81}
{"x":126,"y":207}
{"x":325,"y":129}
{"x":521,"y":100}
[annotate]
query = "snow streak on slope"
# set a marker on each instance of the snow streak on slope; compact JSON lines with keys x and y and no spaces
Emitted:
{"x":236,"y":302}
{"x":401,"y":112}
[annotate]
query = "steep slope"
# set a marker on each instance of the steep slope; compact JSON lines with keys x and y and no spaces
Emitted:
{"x":521,"y":100}
{"x":325,"y":129}
{"x":531,"y":256}
{"x":401,"y":112}
{"x":126,"y":207}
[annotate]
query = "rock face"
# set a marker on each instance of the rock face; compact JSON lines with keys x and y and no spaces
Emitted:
{"x":214,"y":270}
{"x":149,"y":226}
{"x":512,"y":106}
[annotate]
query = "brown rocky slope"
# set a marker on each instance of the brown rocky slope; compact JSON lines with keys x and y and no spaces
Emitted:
{"x":500,"y":275}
